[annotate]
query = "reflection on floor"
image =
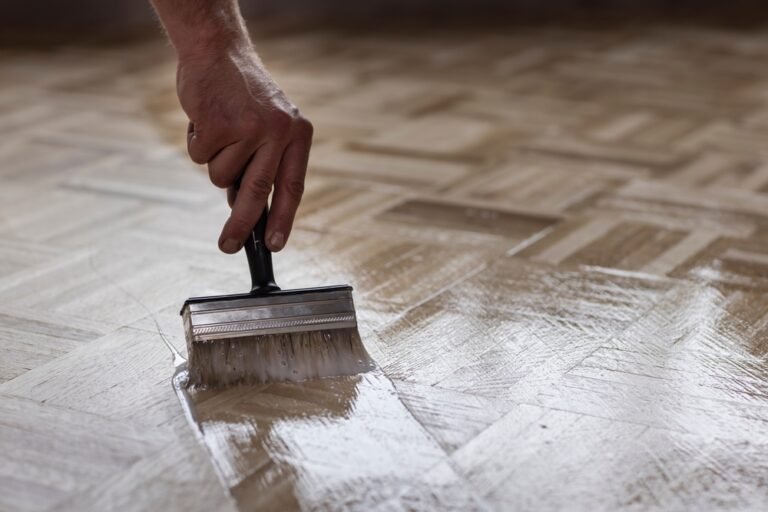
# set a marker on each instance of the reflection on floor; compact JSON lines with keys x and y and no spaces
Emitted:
{"x":328,"y":444}
{"x":558,"y":241}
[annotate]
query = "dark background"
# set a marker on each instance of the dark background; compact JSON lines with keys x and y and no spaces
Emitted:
{"x":20,"y":19}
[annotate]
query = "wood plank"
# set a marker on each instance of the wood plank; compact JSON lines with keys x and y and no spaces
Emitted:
{"x":43,"y":465}
{"x":556,"y":235}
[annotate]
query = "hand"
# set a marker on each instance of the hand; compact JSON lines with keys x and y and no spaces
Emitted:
{"x":244,"y":127}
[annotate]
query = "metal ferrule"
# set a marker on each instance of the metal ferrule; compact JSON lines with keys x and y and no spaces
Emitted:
{"x":279,"y":312}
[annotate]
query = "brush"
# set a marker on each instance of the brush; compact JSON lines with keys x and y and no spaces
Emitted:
{"x":271,"y":334}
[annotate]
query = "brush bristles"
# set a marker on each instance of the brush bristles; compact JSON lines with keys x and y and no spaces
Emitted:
{"x":277,"y":357}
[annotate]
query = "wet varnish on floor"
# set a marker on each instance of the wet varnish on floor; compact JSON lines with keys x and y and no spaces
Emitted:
{"x":559,"y":247}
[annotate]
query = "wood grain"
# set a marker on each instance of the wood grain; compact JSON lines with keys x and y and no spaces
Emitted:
{"x":557,"y":239}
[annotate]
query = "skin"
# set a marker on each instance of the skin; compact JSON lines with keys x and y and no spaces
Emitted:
{"x":241,"y":124}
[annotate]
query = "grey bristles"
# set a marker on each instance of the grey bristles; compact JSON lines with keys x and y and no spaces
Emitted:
{"x":277,"y":357}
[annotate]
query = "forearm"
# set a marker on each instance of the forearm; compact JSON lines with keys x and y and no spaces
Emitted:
{"x":241,"y":124}
{"x":202,"y":26}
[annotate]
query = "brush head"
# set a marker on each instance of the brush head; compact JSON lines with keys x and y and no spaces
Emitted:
{"x":281,"y":335}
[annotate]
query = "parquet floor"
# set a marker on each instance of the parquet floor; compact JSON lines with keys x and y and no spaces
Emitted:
{"x":558,"y":240}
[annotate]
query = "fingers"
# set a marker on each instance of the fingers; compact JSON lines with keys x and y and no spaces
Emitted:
{"x":255,"y":187}
{"x":231,"y":195}
{"x":289,"y":187}
{"x":202,"y":145}
{"x":226,"y":167}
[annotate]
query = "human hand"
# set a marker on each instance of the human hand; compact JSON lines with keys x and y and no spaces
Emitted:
{"x":251,"y":136}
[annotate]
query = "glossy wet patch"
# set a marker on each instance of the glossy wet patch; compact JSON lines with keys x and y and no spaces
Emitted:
{"x":557,"y":240}
{"x":513,"y":327}
{"x":339,"y":442}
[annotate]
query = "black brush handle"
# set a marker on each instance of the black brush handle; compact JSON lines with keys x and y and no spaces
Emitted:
{"x":260,"y":258}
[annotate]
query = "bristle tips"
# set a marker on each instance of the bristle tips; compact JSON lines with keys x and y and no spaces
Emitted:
{"x":277,"y":357}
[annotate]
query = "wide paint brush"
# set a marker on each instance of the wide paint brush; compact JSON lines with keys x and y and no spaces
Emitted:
{"x":271,"y":334}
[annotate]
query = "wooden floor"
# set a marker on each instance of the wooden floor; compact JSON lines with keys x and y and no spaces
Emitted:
{"x":558,"y":240}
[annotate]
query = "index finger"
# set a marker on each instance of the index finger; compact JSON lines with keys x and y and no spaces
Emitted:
{"x":251,"y":198}
{"x":289,"y":187}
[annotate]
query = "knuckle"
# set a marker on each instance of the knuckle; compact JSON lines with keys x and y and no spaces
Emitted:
{"x":240,"y":226}
{"x":259,"y":186}
{"x":280,"y":124}
{"x":198,"y":146}
{"x":295,"y":189}
{"x":218,"y":178}
{"x":305,"y":127}
{"x":251,"y":125}
{"x":195,"y":155}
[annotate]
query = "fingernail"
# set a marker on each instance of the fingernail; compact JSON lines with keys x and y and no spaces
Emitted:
{"x":231,"y":246}
{"x":277,"y":240}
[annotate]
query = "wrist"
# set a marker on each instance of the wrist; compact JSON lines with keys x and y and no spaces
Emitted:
{"x":212,"y":37}
{"x":207,"y":44}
